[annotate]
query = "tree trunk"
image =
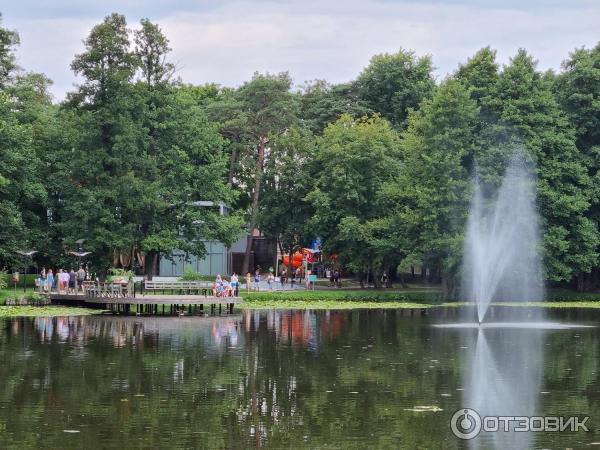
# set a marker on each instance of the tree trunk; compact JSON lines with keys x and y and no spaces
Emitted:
{"x":594,"y":276}
{"x":377,"y":279}
{"x":232,"y":162}
{"x":260,"y":163}
{"x":278,"y":250}
{"x":401,"y":281}
{"x":290,"y":261}
{"x":151,"y":264}
{"x":448,"y":284}
{"x":390,"y":274}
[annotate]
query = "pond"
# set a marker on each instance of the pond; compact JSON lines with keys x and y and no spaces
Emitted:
{"x":292,"y":379}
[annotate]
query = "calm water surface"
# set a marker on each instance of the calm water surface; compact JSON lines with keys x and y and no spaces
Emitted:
{"x":291,"y":379}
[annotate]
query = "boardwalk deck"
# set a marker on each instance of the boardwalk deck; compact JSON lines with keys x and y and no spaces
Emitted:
{"x":147,"y":303}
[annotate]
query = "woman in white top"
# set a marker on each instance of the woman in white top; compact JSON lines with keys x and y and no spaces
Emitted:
{"x":234,"y":283}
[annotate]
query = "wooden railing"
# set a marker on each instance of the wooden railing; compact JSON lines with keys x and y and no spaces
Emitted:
{"x":180,"y":287}
{"x":177,"y":285}
{"x":108,"y":290}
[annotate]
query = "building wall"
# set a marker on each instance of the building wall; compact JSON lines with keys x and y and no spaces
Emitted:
{"x":215,"y":262}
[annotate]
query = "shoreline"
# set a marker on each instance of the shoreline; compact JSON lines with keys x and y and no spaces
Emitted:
{"x":329,"y":300}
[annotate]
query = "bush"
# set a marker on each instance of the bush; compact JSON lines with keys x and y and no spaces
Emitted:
{"x":119,"y":275}
{"x":191,"y":275}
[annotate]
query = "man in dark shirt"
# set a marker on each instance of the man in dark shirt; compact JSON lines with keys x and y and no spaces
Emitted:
{"x":80,"y":277}
{"x":72,"y":279}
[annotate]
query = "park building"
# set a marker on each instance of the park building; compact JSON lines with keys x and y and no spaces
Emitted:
{"x":219,"y":258}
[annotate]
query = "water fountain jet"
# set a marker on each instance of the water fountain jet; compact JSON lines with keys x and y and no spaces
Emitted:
{"x":501,"y":259}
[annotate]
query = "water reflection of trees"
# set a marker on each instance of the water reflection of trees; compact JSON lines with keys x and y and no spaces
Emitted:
{"x":272,"y":379}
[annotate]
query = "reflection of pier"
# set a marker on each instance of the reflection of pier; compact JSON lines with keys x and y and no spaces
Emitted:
{"x":215,"y":333}
{"x":149,"y":304}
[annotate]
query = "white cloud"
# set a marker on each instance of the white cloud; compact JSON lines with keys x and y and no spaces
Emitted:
{"x":331,"y":40}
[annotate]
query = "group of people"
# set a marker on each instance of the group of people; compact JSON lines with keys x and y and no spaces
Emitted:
{"x":224,"y":288}
{"x":63,"y":281}
{"x":254,"y":280}
{"x":335,"y":278}
{"x":285,"y":276}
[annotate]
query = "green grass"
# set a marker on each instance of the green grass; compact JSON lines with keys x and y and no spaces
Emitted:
{"x":328,"y":299}
{"x":45,"y":311}
{"x":338,"y":299}
{"x":370,"y":295}
{"x":414,"y":298}
{"x":36,"y":311}
{"x":565,"y":295}
{"x":328,"y":304}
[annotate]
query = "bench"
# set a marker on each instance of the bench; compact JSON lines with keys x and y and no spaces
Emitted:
{"x":200,"y":287}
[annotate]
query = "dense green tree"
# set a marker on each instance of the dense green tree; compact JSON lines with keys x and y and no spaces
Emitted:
{"x":19,"y":185}
{"x":8,"y":41}
{"x":107,"y":65}
{"x":393,"y":84}
{"x":132,"y":158}
{"x":145,"y":157}
{"x":480,"y":72}
{"x":24,"y":105}
{"x":151,"y":49}
{"x":284,"y":211}
{"x":578,"y":92}
{"x":322,"y":103}
{"x":355,"y":161}
{"x":435,"y":181}
{"x":250,"y":116}
{"x":525,"y":102}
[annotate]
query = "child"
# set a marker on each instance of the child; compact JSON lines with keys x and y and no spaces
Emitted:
{"x":50,"y":281}
{"x":257,"y":280}
{"x":248,"y":281}
{"x":270,"y":280}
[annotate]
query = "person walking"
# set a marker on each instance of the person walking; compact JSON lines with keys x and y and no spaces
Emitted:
{"x":63,"y":281}
{"x":50,"y":280}
{"x":283,"y":276}
{"x":80,"y":278}
{"x":270,"y":280}
{"x":42,"y":285}
{"x":72,"y":281}
{"x":257,"y":279}
{"x":248,"y":281}
{"x":336,"y":279}
{"x":235,"y":284}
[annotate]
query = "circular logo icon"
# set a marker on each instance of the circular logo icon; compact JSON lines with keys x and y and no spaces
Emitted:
{"x":465,"y":423}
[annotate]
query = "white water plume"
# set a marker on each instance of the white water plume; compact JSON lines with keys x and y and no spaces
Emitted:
{"x":502,"y":260}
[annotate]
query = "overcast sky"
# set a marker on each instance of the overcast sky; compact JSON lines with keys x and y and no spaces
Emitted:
{"x":226,"y":41}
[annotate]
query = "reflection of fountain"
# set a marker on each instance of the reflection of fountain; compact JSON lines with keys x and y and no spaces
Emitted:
{"x":504,"y":373}
{"x":504,"y":378}
{"x":501,"y":246}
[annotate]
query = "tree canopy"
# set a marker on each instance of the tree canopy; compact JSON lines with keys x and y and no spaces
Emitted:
{"x":380,"y":167}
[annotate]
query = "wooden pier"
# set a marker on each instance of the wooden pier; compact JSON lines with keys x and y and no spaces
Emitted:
{"x":149,"y":304}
